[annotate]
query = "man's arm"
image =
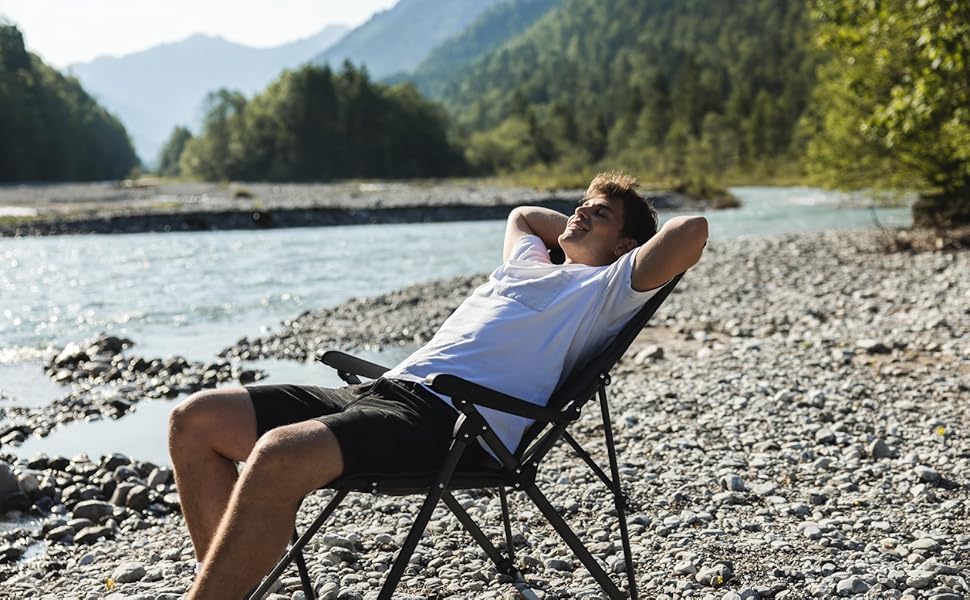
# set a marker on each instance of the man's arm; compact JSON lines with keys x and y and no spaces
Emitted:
{"x":533,"y":220}
{"x":673,"y":250}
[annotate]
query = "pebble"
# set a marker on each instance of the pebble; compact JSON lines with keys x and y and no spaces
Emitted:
{"x":828,"y":440}
{"x":128,"y":572}
{"x":851,"y":586}
{"x":926,"y":473}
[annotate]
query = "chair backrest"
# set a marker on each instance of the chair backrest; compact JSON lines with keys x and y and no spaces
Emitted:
{"x":583,"y":382}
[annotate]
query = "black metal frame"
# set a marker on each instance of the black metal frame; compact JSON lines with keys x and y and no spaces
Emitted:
{"x":516,"y":471}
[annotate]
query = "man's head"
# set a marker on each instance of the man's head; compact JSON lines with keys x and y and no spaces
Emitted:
{"x":612,"y":220}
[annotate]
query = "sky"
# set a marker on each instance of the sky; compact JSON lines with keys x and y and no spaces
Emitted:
{"x":64,"y":32}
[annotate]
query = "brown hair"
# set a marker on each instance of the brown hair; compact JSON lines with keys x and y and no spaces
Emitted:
{"x":639,"y":215}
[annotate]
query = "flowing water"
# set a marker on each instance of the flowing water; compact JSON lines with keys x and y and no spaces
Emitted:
{"x":192,"y":294}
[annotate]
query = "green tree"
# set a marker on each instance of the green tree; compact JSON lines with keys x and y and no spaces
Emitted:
{"x":315,"y":124}
{"x":214,"y":155}
{"x":171,"y":153}
{"x":893,"y":103}
{"x":50,"y":128}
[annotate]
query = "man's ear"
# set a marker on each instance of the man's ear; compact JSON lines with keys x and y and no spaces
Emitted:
{"x":625,"y":245}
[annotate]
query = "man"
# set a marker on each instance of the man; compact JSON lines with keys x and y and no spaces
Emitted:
{"x":529,"y":325}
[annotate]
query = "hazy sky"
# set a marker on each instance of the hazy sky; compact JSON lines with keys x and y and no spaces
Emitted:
{"x":70,"y":31}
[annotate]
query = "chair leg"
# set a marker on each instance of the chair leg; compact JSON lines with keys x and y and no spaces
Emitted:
{"x":502,"y":563}
{"x":427,"y":509}
{"x":509,"y":545}
{"x":296,"y":549}
{"x":304,"y":573}
{"x":574,"y":543}
{"x":618,"y":498}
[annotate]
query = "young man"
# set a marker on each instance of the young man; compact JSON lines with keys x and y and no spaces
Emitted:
{"x":529,"y":325}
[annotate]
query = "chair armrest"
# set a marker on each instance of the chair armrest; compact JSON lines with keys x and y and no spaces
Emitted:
{"x":346,"y":363}
{"x":461,"y":389}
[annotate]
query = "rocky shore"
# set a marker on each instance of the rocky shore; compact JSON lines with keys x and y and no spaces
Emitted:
{"x":105,"y":381}
{"x":793,"y":424}
{"x":161,"y":207}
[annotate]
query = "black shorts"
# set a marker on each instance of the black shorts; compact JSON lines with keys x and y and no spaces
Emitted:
{"x":382,"y":426}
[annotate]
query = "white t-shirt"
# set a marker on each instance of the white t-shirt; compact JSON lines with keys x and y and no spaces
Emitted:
{"x":528,"y":327}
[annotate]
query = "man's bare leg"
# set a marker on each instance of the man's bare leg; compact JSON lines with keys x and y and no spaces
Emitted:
{"x":208,"y":432}
{"x":286,"y":464}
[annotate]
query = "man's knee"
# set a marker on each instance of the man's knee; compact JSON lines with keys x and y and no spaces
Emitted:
{"x":304,"y":456}
{"x":206,"y":412}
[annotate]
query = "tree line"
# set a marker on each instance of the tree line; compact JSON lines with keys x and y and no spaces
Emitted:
{"x":315,"y":124}
{"x":849,"y":93}
{"x":50,"y":128}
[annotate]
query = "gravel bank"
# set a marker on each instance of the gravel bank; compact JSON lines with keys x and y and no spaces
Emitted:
{"x":115,"y":208}
{"x":794,"y":424}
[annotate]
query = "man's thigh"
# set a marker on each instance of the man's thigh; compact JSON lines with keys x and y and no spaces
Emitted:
{"x":388,"y":430}
{"x":279,"y":405}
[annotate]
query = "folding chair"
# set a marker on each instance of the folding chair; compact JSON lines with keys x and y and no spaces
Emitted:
{"x":516,"y":471}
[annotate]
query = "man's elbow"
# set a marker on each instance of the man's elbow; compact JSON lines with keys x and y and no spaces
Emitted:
{"x":697,"y":228}
{"x":691,"y":230}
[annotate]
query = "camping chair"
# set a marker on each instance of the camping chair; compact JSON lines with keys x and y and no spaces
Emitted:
{"x":516,"y":471}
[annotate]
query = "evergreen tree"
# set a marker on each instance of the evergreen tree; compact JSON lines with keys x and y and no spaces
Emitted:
{"x":314,"y":124}
{"x":50,"y":128}
{"x":171,"y":153}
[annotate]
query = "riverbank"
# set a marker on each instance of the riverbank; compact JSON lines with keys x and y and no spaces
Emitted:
{"x":792,"y":424}
{"x":168,"y":206}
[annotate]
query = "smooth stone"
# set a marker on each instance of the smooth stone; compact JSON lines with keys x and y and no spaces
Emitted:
{"x":91,"y":534}
{"x":8,"y":484}
{"x":715,"y":575}
{"x":558,"y":564}
{"x":331,"y":540}
{"x":927,"y":544}
{"x":93,"y":509}
{"x":159,"y":476}
{"x":851,"y":586}
{"x":879,"y":449}
{"x":60,"y":534}
{"x":825,"y":436}
{"x":732,"y":483}
{"x":128,"y":572}
{"x":138,"y":498}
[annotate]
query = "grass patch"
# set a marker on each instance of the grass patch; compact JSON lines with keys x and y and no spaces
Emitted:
{"x":14,"y":221}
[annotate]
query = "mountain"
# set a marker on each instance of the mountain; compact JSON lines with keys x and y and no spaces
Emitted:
{"x":488,"y":32}
{"x":661,"y":86}
{"x":397,"y":39}
{"x":154,"y":90}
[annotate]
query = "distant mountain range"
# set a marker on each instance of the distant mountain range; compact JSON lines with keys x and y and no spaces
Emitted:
{"x":396,"y":40}
{"x":154,"y":90}
{"x":429,"y":42}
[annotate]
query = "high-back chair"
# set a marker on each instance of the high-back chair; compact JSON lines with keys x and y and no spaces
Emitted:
{"x":515,"y":471}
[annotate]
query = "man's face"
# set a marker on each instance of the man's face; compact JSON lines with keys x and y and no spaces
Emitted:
{"x":594,"y":233}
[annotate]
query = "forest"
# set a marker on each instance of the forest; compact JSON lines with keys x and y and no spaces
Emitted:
{"x":314,"y":124}
{"x":50,"y":128}
{"x":696,"y":93}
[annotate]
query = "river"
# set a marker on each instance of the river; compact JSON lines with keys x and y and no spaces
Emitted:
{"x":194,"y":293}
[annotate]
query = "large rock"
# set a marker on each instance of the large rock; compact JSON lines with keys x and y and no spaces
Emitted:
{"x":159,"y":476}
{"x":138,"y":498}
{"x":8,"y":485}
{"x":128,"y":572}
{"x":90,"y":535}
{"x":93,"y":509}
